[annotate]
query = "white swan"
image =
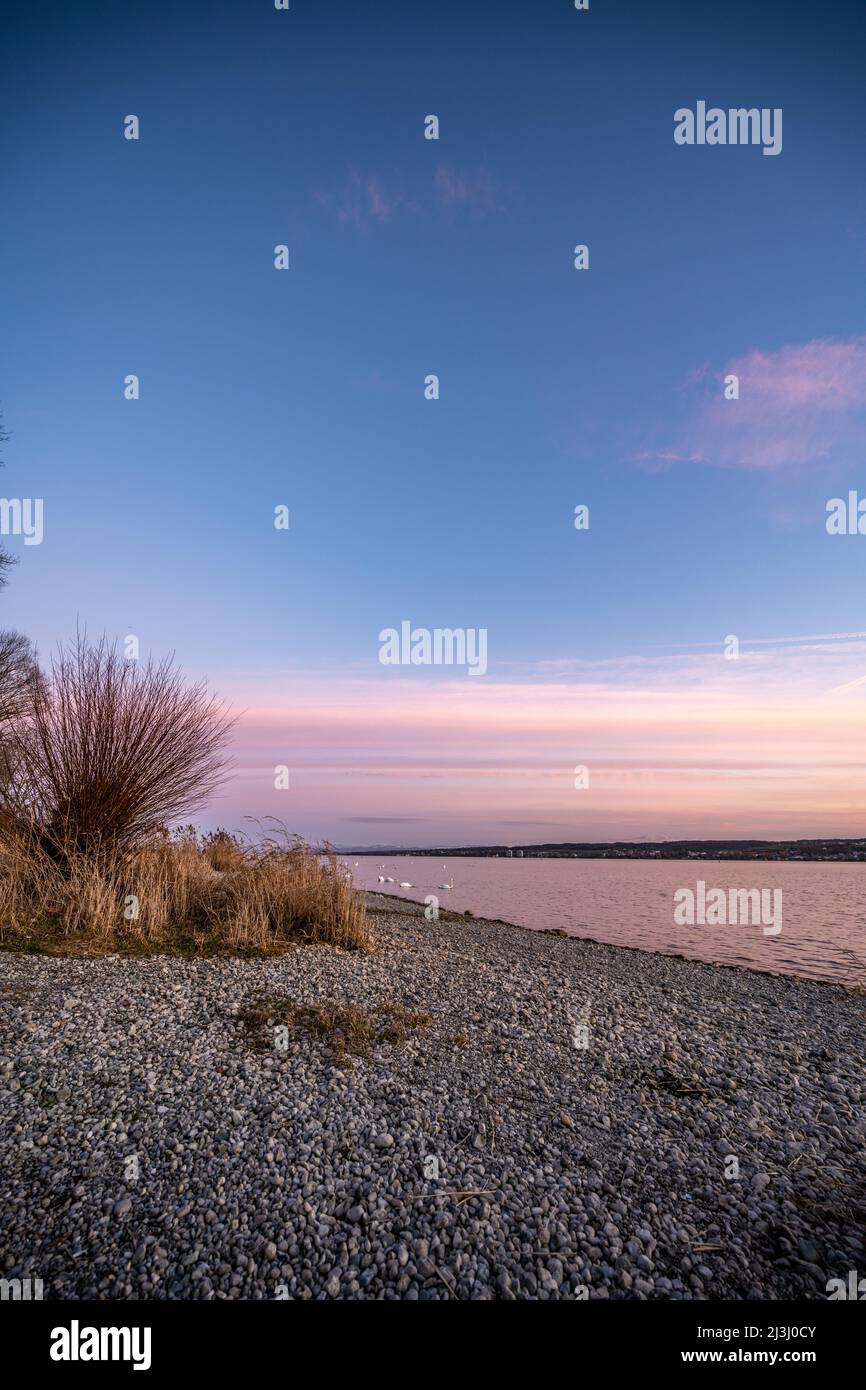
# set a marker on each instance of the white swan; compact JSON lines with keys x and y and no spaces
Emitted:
{"x":405,"y":885}
{"x":445,"y":886}
{"x":381,"y":878}
{"x":389,"y":880}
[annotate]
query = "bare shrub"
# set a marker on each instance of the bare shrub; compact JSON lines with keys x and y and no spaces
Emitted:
{"x":105,"y":751}
{"x":19,"y":675}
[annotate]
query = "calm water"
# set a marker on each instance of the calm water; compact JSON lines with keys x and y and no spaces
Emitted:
{"x":631,"y":903}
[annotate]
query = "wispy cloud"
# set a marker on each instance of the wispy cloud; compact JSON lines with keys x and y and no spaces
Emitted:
{"x":803,"y":404}
{"x":814,"y":637}
{"x":366,"y":200}
{"x":363,"y":201}
{"x":660,"y":460}
{"x":385,"y":820}
{"x":476,"y":191}
{"x":681,"y":742}
{"x":849,"y":686}
{"x":373,"y":383}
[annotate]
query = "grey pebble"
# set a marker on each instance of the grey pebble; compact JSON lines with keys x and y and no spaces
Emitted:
{"x":261,"y":1169}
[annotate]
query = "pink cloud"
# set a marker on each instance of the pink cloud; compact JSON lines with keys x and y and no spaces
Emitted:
{"x":660,"y":460}
{"x":477,"y":191}
{"x":362,"y":201}
{"x":365,"y":200}
{"x":800,"y":405}
{"x":374,"y":383}
{"x":826,"y":374}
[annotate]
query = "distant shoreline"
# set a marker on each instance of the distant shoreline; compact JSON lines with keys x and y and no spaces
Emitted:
{"x":827,"y":851}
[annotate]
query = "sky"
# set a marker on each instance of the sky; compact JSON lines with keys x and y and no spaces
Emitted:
{"x":304,"y":388}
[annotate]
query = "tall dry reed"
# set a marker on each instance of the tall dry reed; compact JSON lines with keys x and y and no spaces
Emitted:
{"x":217,"y":893}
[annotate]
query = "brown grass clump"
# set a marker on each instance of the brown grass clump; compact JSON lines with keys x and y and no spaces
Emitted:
{"x":348,"y":1029}
{"x":216,"y":894}
{"x":223,"y":851}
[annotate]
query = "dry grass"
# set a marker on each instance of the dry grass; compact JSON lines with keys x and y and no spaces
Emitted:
{"x":216,"y":894}
{"x":348,"y":1029}
{"x":223,"y":851}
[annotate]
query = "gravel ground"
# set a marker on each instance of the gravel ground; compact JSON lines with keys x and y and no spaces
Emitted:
{"x":564,"y":1171}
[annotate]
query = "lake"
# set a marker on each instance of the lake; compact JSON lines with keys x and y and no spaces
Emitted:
{"x":631,"y":903}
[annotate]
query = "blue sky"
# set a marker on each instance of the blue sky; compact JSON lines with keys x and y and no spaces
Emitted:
{"x":411,"y":257}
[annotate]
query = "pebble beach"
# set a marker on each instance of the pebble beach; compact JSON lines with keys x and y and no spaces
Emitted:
{"x":565,"y":1120}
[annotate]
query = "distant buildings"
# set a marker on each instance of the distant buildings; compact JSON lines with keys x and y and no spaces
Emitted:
{"x":815,"y":851}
